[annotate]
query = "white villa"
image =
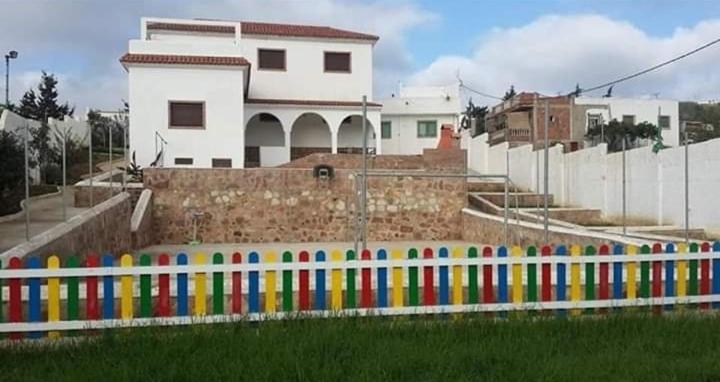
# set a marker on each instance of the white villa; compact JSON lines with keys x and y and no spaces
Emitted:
{"x":242,"y":94}
{"x":411,"y":119}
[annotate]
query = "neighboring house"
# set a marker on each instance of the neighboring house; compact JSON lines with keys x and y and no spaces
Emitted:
{"x":412,"y":119}
{"x":521,"y":120}
{"x":591,"y":111}
{"x":242,"y":94}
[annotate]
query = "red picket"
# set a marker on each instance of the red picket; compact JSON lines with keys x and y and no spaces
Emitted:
{"x":365,"y":283}
{"x":91,"y":289}
{"x":428,"y":283}
{"x":15,"y":300}
{"x":657,"y":277}
{"x":604,"y":282}
{"x":705,"y":275}
{"x":488,"y":295}
{"x":304,"y":292}
{"x":546,"y":278}
{"x":163,"y":305}
{"x":236,"y":304}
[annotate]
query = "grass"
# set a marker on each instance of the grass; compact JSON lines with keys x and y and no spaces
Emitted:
{"x":641,"y":348}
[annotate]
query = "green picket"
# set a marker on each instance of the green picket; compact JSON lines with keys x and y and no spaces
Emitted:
{"x":645,"y":273}
{"x":351,"y":293}
{"x":145,"y":288}
{"x":413,"y":287}
{"x":73,"y":291}
{"x":218,"y":286}
{"x":472,"y":277}
{"x":590,"y":277}
{"x":532,"y":276}
{"x":287,"y":292}
{"x":693,"y":280}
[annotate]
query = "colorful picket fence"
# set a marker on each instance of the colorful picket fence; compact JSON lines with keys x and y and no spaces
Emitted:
{"x":104,"y":292}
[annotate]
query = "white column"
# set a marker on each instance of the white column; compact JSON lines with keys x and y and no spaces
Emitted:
{"x":334,"y":140}
{"x":288,"y":151}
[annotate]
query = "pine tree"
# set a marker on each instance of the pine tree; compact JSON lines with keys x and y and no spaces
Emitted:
{"x":44,"y":104}
{"x":510,"y":93}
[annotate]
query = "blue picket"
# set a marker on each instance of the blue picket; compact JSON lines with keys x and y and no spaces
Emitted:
{"x":253,"y":285}
{"x":33,"y":296}
{"x":182,"y":287}
{"x":502,"y":277}
{"x":382,"y":292}
{"x":320,"y":287}
{"x":669,"y":275}
{"x":617,"y":273}
{"x":108,"y":290}
{"x":443,"y":280}
{"x":561,"y":279}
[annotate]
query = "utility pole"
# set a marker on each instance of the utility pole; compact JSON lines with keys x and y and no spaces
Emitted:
{"x":64,"y":173}
{"x":90,"y":161}
{"x":687,"y":189}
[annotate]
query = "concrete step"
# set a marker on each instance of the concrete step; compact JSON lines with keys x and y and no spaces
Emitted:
{"x":487,"y":186}
{"x":579,"y":216}
{"x":523,"y":199}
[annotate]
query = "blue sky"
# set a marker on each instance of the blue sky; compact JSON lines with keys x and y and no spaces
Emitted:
{"x":545,"y":46}
{"x":462,"y":21}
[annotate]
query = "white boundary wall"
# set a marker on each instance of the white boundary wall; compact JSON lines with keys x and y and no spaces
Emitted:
{"x":592,"y":178}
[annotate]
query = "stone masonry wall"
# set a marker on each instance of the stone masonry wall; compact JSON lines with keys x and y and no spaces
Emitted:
{"x":289,"y":205}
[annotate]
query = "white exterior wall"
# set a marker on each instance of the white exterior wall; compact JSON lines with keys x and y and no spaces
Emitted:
{"x":404,"y":139}
{"x":592,"y":178}
{"x":150,"y":89}
{"x":644,"y":110}
{"x":304,"y":76}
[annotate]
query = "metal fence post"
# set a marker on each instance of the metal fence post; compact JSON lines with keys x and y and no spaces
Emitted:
{"x":110,"y":157}
{"x":624,"y":200}
{"x":547,"y":168}
{"x":507,"y":201}
{"x":364,"y":169}
{"x":90,"y":164}
{"x":687,"y":189}
{"x":64,"y":173}
{"x":27,"y":184}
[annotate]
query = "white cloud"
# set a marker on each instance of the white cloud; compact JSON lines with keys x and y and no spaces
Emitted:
{"x":553,"y":53}
{"x":80,"y":41}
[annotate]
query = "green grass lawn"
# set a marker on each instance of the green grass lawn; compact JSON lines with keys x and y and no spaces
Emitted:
{"x":616,"y":348}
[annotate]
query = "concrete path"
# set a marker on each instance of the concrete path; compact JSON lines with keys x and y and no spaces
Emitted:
{"x":44,"y":214}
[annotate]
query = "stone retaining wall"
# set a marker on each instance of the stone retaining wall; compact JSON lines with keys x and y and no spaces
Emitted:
{"x":290,"y":205}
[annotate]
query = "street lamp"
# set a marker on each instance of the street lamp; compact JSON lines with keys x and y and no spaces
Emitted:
{"x":10,"y":55}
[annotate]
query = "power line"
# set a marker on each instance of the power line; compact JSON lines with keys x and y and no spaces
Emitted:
{"x":462,"y":85}
{"x":658,"y":66}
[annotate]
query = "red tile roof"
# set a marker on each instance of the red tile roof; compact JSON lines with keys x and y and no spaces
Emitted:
{"x":172,"y":59}
{"x":268,"y":29}
{"x":303,"y":102}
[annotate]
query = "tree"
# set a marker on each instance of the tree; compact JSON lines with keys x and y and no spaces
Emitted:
{"x":476,"y":113}
{"x":41,"y":106}
{"x":510,"y":93}
{"x":102,"y":127}
{"x":12,"y":166}
{"x":44,"y":104}
{"x":615,"y":132}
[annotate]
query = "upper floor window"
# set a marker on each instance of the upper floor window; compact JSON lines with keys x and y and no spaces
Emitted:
{"x":594,"y":120}
{"x":385,"y":129}
{"x":273,"y":59}
{"x":664,"y":122}
{"x":427,"y":129}
{"x":628,"y":120}
{"x":186,"y":115}
{"x":337,"y":62}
